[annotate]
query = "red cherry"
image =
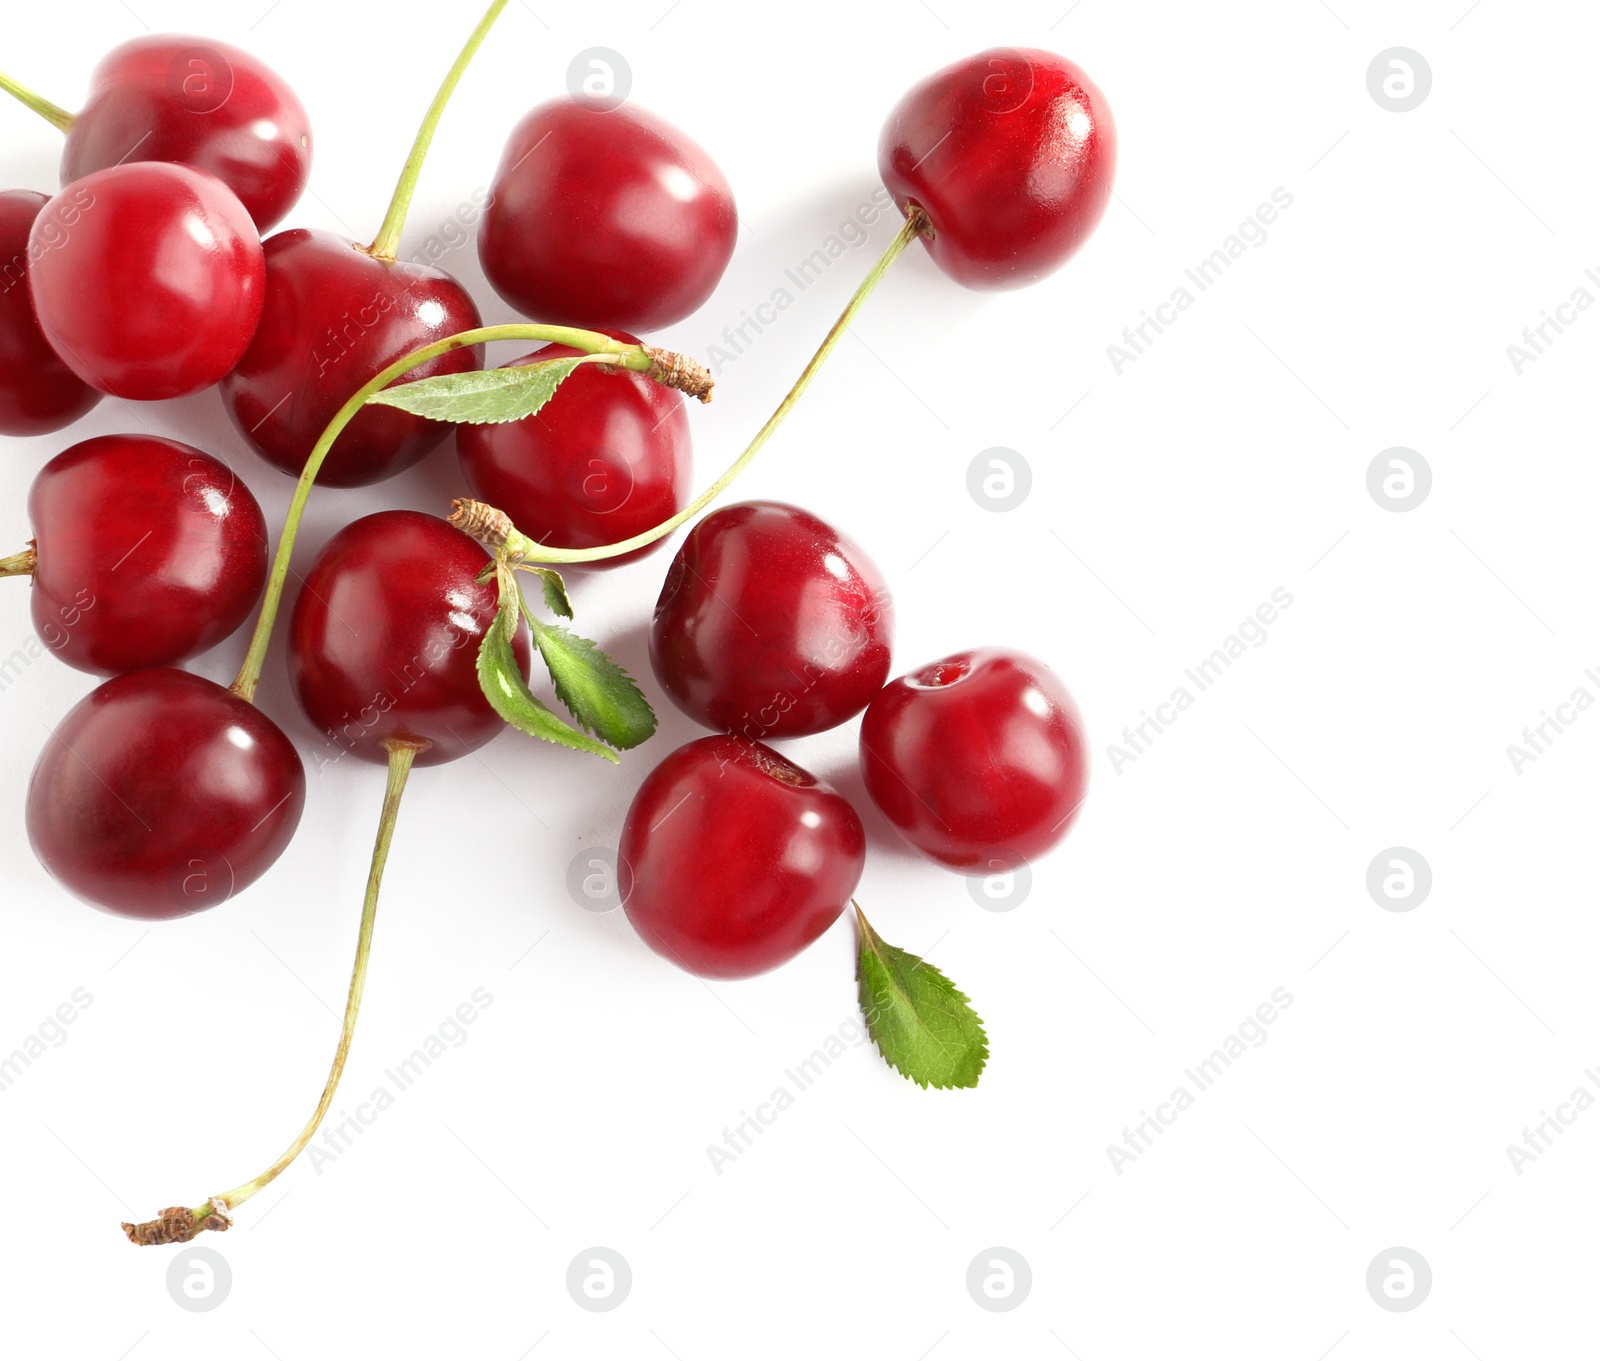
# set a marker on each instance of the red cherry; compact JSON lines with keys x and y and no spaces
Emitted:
{"x":1010,"y":153}
{"x":383,"y":642}
{"x":733,"y":860}
{"x":979,"y":759}
{"x":147,"y":279}
{"x":605,"y":218}
{"x":38,"y":393}
{"x":197,"y":102}
{"x":149,"y":552}
{"x":771,"y":623}
{"x":608,"y":458}
{"x":334,"y":316}
{"x":161,"y":794}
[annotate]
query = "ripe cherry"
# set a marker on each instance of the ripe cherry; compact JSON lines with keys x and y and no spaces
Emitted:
{"x":147,"y":279}
{"x":383,"y":641}
{"x":161,"y":793}
{"x":980,"y":759}
{"x":146,"y":553}
{"x":1010,"y":154}
{"x":38,"y":393}
{"x":771,"y":623}
{"x":605,"y":217}
{"x":335,"y":315}
{"x":733,"y":860}
{"x":609,"y":458}
{"x":197,"y":102}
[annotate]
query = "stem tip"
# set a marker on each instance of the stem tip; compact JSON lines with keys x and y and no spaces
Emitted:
{"x":671,"y":370}
{"x":177,"y":1224}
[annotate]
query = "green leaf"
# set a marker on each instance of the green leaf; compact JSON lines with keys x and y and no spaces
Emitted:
{"x":601,"y":695}
{"x":555,"y":589}
{"x":483,"y":396}
{"x":920,"y":1021}
{"x":503,"y":685}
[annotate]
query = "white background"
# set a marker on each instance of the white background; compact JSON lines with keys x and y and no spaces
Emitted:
{"x":1228,"y":860}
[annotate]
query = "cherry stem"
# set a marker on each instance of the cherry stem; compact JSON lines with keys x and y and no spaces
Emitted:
{"x":51,"y":113}
{"x":386,"y":244}
{"x":520,"y":546}
{"x":180,"y":1224}
{"x":639,"y":358}
{"x":21,"y":564}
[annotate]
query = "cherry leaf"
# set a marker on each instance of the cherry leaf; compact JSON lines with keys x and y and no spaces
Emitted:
{"x":483,"y":396}
{"x":921,"y":1022}
{"x":501,"y":680}
{"x":555,"y":589}
{"x":603,"y":697}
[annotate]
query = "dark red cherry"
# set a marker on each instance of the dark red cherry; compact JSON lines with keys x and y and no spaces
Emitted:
{"x":149,"y":552}
{"x":607,"y":459}
{"x":771,"y":623}
{"x":38,"y":393}
{"x":602,"y":217}
{"x":201,"y":103}
{"x":147,"y":279}
{"x":334,"y":317}
{"x":979,"y":759}
{"x":733,"y":860}
{"x":1011,"y":155}
{"x":384,"y":639}
{"x":161,"y":793}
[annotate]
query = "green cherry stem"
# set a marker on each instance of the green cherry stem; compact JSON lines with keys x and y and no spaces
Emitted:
{"x":639,"y":358}
{"x":21,"y":564}
{"x":181,"y":1223}
{"x":51,"y":113}
{"x":386,"y":244}
{"x":518,"y":545}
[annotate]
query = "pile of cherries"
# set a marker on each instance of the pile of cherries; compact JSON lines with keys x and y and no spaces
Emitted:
{"x":163,"y":793}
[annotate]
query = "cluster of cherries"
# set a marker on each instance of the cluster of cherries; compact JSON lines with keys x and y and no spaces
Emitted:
{"x":162,"y":793}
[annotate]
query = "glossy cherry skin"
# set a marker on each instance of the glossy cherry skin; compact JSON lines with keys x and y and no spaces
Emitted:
{"x":979,"y":759}
{"x":147,"y":279}
{"x":383,"y":642}
{"x":609,"y":457}
{"x":334,"y":317}
{"x":605,"y":218}
{"x":197,"y":102}
{"x":733,"y":860}
{"x":161,"y":794}
{"x":38,"y":393}
{"x":149,"y":550}
{"x":771,"y":623}
{"x":1011,"y":154}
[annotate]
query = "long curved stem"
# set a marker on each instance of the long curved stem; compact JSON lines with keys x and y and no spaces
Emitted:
{"x":387,"y":242}
{"x":51,"y":113}
{"x":180,"y":1224}
{"x":916,"y":222}
{"x":592,"y":342}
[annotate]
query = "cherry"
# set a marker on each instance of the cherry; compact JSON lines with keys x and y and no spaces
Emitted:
{"x":979,"y":759}
{"x":147,"y":279}
{"x":383,"y":640}
{"x":1010,"y":155}
{"x":338,"y":312}
{"x":605,"y":217}
{"x":197,"y":102}
{"x":608,"y":459}
{"x":335,"y":314}
{"x":161,"y":793}
{"x":38,"y":393}
{"x":771,"y":623}
{"x":733,"y":860}
{"x":147,"y":552}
